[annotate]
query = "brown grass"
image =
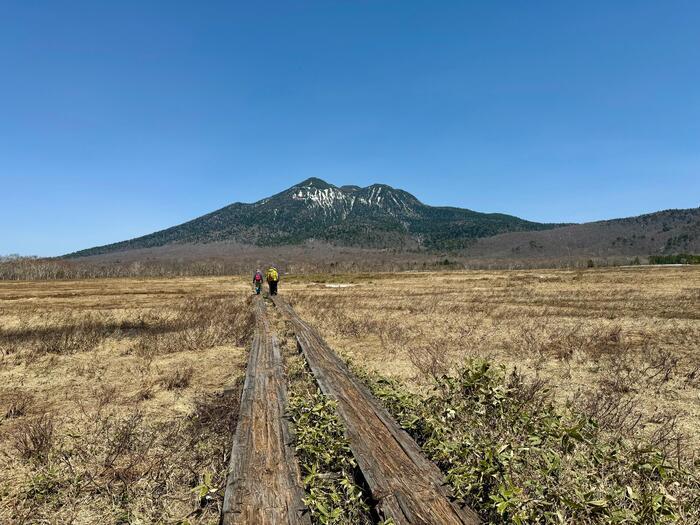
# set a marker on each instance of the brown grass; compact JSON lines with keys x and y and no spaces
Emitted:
{"x":624,"y":344}
{"x":111,"y":408}
{"x":111,"y":403}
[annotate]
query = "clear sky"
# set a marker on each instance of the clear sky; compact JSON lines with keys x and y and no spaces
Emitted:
{"x":121,"y":118}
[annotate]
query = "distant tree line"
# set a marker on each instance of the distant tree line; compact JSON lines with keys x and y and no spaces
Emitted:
{"x":16,"y":257}
{"x":681,"y":258}
{"x":14,"y":267}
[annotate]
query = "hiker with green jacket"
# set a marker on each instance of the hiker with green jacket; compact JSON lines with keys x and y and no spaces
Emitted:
{"x":272,"y":276}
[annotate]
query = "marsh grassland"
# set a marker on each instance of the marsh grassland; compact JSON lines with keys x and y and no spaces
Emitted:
{"x":624,"y":342}
{"x":112,"y":404}
{"x":119,"y":397}
{"x":544,"y":396}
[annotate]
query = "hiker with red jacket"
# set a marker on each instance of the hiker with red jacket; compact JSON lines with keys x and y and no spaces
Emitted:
{"x":257,"y":281}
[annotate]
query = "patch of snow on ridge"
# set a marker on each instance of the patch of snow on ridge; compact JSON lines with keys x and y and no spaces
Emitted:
{"x":337,"y":201}
{"x":323,"y":198}
{"x":375,"y":196}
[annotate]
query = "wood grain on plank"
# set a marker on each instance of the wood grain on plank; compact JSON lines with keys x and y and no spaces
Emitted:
{"x":406,"y":485}
{"x":263,"y":485}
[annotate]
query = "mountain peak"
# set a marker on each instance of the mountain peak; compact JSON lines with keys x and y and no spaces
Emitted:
{"x":376,"y":216}
{"x":314,"y":182}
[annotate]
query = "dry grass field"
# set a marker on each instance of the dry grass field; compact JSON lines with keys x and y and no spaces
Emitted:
{"x":623,"y":343}
{"x":112,"y":404}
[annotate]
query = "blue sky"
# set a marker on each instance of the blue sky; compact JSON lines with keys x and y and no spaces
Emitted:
{"x":121,"y":118}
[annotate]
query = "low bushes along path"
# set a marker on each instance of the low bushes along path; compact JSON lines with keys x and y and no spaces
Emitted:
{"x":263,"y":484}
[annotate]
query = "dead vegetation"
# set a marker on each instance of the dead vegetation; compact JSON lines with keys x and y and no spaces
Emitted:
{"x":620,"y":344}
{"x":189,"y":325}
{"x":104,"y":466}
{"x":111,"y":403}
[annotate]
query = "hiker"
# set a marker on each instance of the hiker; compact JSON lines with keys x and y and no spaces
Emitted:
{"x":257,"y":281}
{"x":273,"y":278}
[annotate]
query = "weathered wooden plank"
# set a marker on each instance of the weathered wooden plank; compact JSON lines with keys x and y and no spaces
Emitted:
{"x":406,"y":485}
{"x":263,"y":485}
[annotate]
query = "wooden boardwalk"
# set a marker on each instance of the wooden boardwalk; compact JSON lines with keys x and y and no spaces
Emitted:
{"x":406,"y":485}
{"x":263,"y":485}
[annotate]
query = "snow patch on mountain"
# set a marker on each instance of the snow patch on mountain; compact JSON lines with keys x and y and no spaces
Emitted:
{"x":342,"y":201}
{"x":327,"y":199}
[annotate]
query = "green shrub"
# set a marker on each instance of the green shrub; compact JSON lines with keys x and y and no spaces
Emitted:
{"x":327,"y":465}
{"x":514,"y":457}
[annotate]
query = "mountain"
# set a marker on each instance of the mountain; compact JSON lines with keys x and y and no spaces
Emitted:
{"x":660,"y":233}
{"x":377,"y":216}
{"x":351,"y":219}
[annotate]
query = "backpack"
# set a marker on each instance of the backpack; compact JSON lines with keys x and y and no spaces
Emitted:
{"x":258,"y":277}
{"x":272,"y":275}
